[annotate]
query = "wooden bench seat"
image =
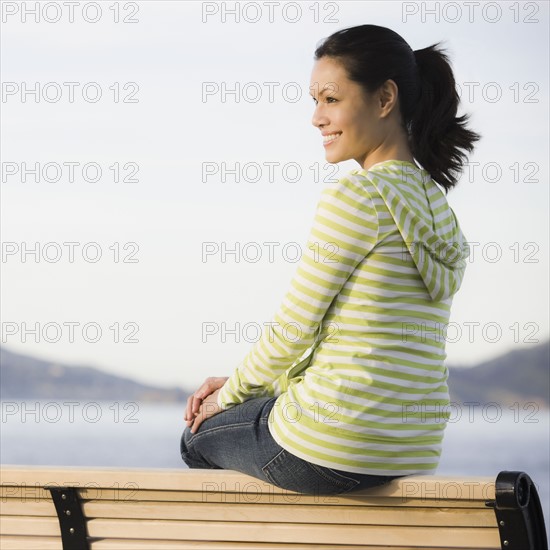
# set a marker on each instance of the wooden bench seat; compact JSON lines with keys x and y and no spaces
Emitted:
{"x":135,"y":509}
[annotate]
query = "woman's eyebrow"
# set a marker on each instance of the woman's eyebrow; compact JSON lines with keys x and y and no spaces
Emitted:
{"x":322,"y":92}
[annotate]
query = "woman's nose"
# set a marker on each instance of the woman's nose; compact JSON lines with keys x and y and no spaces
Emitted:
{"x":318,"y":119}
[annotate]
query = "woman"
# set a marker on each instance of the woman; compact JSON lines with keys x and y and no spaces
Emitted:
{"x":372,"y":293}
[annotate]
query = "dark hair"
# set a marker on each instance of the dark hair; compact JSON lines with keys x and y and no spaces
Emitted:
{"x":428,"y":99}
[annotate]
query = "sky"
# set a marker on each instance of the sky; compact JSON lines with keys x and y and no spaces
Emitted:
{"x":174,"y":140}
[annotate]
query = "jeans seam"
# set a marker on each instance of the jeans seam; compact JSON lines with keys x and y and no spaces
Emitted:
{"x":196,"y":436}
{"x":266,"y":472}
{"x":343,"y":482}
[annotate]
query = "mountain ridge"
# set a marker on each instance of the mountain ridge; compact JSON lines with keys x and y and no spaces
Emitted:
{"x":518,"y":376}
{"x":24,"y":377}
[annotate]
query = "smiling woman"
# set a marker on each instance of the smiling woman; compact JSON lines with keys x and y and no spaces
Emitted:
{"x":348,"y":387}
{"x":349,"y":119}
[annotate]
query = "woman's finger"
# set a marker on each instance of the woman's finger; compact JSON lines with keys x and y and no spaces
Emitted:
{"x":197,"y":400}
{"x":188,"y":408}
{"x":194,"y":401}
{"x":208,"y":409}
{"x":209,"y":386}
{"x":193,"y":405}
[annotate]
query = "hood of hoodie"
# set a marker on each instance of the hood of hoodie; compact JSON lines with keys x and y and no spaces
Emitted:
{"x":427,"y":223}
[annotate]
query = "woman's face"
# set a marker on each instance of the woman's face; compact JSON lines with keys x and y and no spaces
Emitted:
{"x":351,"y":119}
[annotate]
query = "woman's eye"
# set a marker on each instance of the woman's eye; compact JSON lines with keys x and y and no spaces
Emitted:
{"x":328,"y":99}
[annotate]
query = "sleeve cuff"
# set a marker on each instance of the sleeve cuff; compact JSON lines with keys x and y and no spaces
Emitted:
{"x":224,"y":401}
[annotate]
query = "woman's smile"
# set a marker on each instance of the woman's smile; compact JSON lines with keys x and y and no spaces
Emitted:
{"x":330,"y":138}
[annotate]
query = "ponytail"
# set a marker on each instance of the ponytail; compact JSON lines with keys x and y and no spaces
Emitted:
{"x":428,"y":99}
{"x":438,"y":138}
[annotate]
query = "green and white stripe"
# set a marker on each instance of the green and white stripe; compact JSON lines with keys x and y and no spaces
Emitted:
{"x":370,"y":300}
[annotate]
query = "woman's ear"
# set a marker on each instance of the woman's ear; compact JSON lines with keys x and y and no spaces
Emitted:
{"x":387,"y":97}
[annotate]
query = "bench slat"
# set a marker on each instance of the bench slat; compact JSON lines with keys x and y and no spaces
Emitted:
{"x":253,"y":512}
{"x":134,"y":544}
{"x":294,"y":532}
{"x":31,"y":543}
{"x":53,"y":543}
{"x":291,"y":514}
{"x":215,"y":480}
{"x":35,"y":526}
{"x":119,"y":495}
{"x":13,"y":507}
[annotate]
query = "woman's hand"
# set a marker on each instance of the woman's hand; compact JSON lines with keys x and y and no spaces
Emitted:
{"x":209,"y":407}
{"x":209,"y":386}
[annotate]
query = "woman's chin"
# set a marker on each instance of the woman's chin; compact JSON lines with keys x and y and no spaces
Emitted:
{"x":331,"y":157}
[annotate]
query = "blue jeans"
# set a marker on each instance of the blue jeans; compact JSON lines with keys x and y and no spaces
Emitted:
{"x":239,"y":439}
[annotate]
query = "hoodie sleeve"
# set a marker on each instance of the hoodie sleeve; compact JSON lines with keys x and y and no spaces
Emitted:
{"x":344,"y":231}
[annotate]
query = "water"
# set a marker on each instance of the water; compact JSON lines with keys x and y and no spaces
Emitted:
{"x":477,"y":442}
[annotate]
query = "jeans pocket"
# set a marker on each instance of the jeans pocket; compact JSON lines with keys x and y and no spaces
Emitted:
{"x":290,"y":472}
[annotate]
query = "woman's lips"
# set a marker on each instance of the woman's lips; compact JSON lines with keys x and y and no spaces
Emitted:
{"x":331,"y":139}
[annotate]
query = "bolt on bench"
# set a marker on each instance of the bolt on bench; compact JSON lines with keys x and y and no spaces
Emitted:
{"x":134,"y":509}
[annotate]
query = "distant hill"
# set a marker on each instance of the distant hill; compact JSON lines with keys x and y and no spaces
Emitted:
{"x":519,"y":376}
{"x":23,"y":377}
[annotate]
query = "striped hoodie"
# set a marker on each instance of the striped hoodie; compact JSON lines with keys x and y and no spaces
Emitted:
{"x":356,"y":351}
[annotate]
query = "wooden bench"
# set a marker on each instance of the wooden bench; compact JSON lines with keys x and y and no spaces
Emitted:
{"x":118,"y":509}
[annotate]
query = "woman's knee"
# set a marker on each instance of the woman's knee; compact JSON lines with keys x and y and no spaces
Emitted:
{"x":184,"y":446}
{"x":184,"y":439}
{"x":188,"y":452}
